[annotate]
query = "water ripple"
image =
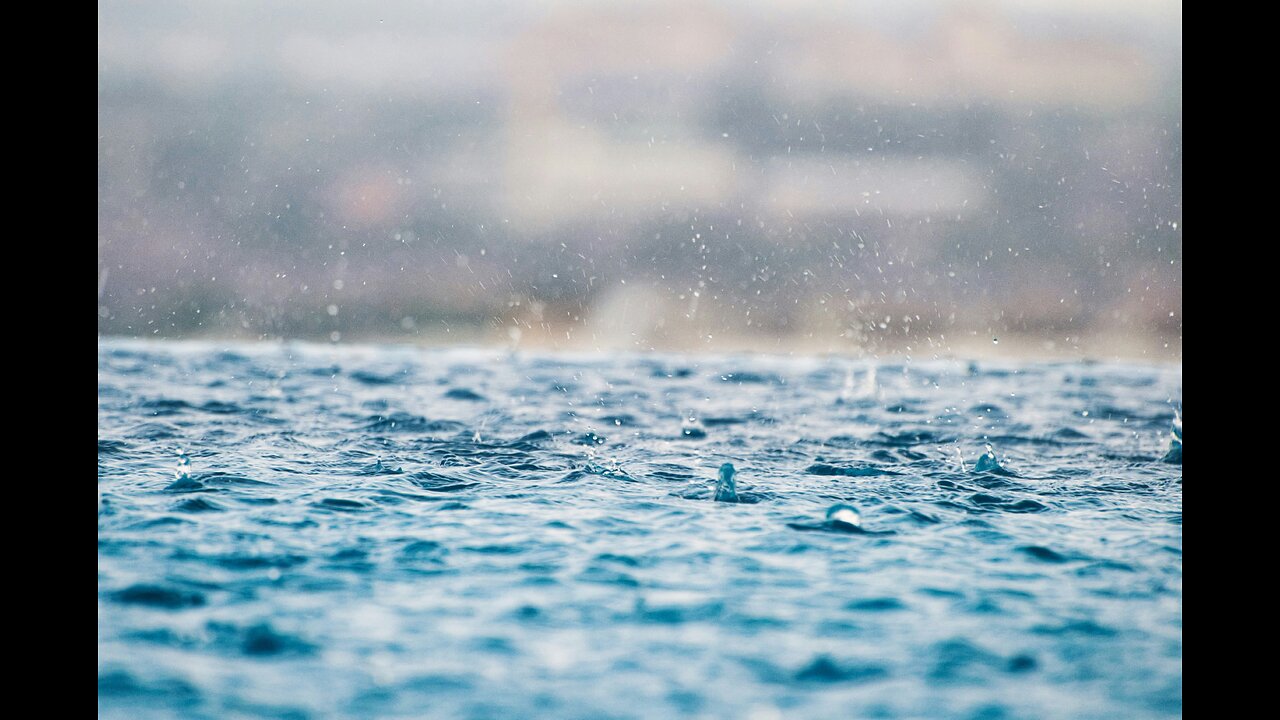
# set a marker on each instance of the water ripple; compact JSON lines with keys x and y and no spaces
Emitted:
{"x":383,"y":531}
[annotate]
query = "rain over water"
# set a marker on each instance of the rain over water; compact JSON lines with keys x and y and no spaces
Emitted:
{"x":301,"y":530}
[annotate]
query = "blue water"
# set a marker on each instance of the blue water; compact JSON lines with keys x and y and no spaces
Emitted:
{"x":313,"y":531}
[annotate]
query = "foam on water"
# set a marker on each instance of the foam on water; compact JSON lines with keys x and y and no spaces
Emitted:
{"x":301,"y":530}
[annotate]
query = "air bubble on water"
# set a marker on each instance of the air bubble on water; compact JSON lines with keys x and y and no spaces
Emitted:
{"x":846,"y":514}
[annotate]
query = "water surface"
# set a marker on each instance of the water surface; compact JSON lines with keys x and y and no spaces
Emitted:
{"x":311,"y":531}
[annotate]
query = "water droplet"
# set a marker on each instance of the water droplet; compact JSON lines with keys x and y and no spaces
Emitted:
{"x":183,"y":470}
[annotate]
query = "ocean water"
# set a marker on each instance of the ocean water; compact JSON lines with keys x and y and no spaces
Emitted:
{"x":295,"y":530}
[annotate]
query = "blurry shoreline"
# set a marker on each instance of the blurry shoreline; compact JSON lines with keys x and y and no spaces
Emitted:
{"x":1014,"y":347}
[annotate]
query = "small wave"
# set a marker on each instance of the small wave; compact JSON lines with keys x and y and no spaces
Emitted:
{"x":876,"y":605}
{"x":847,"y":471}
{"x":1087,"y":628}
{"x":197,"y":505}
{"x":532,"y":441}
{"x":394,"y":497}
{"x":113,"y":447}
{"x":961,"y":661}
{"x":225,"y":479}
{"x":162,"y":407}
{"x":159,"y":596}
{"x":909,"y":438}
{"x":987,"y":409}
{"x":341,"y":504}
{"x":668,"y":472}
{"x":367,"y":377}
{"x":224,"y":408}
{"x":744,"y":377}
{"x":165,"y":521}
{"x":677,"y":610}
{"x":677,"y":372}
{"x":241,"y":561}
{"x":901,"y":409}
{"x":185,"y":483}
{"x":407,"y":423}
{"x":1043,"y":554}
{"x":351,"y":559}
{"x":154,"y":431}
{"x":419,"y":551}
{"x":168,"y":690}
{"x":1004,"y":504}
{"x":1069,"y":433}
{"x":923,"y":518}
{"x":437,"y":482}
{"x":258,"y":640}
{"x":825,"y":669}
{"x":598,"y":575}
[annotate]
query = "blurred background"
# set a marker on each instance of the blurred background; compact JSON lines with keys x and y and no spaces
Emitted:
{"x":877,"y":177}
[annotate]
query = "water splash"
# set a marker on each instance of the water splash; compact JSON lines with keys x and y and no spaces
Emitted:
{"x":726,"y":485}
{"x":182,"y":479}
{"x":988,"y":463}
{"x":1174,"y":454}
{"x":606,"y":467}
{"x":183,"y":469}
{"x":870,"y":386}
{"x":868,"y":389}
{"x":691,"y":427}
